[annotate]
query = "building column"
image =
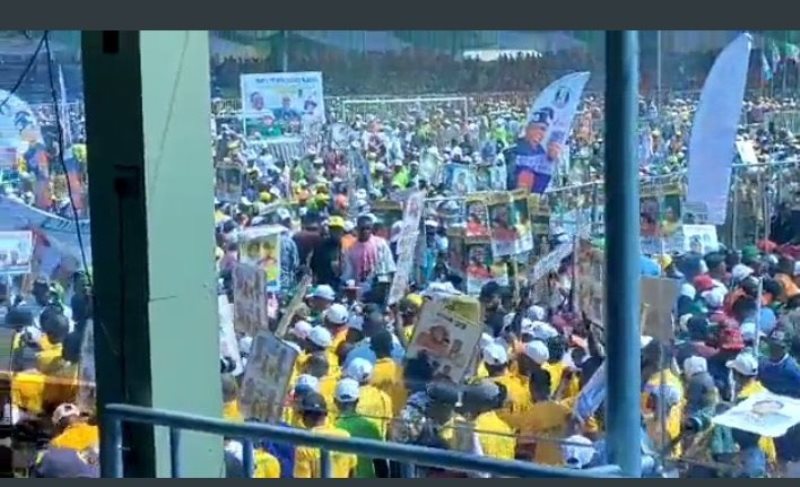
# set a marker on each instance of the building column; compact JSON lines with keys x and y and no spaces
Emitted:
{"x":151,"y":179}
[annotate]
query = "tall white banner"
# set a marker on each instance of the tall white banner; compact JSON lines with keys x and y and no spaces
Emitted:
{"x":408,"y":240}
{"x":541,"y":148}
{"x":711,"y":147}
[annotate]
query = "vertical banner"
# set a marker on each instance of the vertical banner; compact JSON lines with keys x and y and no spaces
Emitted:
{"x":549,"y":120}
{"x":249,"y":299}
{"x":590,"y":277}
{"x":16,"y":252}
{"x":477,"y":217}
{"x":74,"y":173}
{"x":448,"y":331}
{"x":261,"y":247}
{"x":711,"y":147}
{"x":409,"y":235}
{"x":266,"y":377}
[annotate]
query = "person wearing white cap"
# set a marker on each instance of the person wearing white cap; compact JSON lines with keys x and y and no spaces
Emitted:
{"x":319,"y":340}
{"x":496,"y":360}
{"x":348,"y":396}
{"x":72,"y":431}
{"x":335,"y":320}
{"x":374,"y":404}
{"x":322,"y":297}
{"x":744,"y":376}
{"x":534,"y":354}
{"x":578,"y":452}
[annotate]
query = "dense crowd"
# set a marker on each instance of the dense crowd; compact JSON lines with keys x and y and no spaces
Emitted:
{"x":529,"y":393}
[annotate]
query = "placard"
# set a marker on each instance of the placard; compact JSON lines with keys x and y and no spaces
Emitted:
{"x":764,"y":414}
{"x":261,"y":246}
{"x":550,"y":262}
{"x":701,"y":239}
{"x":16,"y":252}
{"x":409,"y":234}
{"x":249,"y":299}
{"x":590,"y":275}
{"x":228,"y":344}
{"x":266,"y":378}
{"x":229,"y":181}
{"x":448,"y":331}
{"x":482,"y":268}
{"x":660,"y":295}
{"x":287,"y":97}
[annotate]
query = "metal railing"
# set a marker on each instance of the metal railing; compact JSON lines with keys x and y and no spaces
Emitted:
{"x":114,"y":415}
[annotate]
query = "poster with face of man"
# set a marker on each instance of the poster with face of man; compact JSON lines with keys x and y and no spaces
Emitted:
{"x":289,"y":98}
{"x":539,"y":151}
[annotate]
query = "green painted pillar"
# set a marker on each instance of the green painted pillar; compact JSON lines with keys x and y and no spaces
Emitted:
{"x":151,"y":179}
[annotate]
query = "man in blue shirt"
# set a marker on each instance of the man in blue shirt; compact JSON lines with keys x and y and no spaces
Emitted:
{"x":780,"y":374}
{"x":375,"y":329}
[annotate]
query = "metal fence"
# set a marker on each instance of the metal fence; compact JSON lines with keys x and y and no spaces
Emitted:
{"x":114,"y":415}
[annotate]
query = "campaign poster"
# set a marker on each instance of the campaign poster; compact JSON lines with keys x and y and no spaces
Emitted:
{"x":249,"y":299}
{"x":590,"y":276}
{"x":483,"y":269}
{"x":448,"y":332}
{"x":16,"y":252}
{"x":409,"y":235}
{"x":763,"y":414}
{"x":660,"y":209}
{"x":477,"y":218}
{"x":510,"y":224}
{"x":539,"y":152}
{"x":229,"y":181}
{"x":285,"y":98}
{"x":459,"y":179}
{"x":700,"y":239}
{"x":261,"y":247}
{"x":266,"y":377}
{"x":228,"y":343}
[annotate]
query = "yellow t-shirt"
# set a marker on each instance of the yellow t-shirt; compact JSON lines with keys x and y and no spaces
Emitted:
{"x":376,"y":406}
{"x":49,"y":359}
{"x":79,"y":437}
{"x":495,"y":436}
{"x":61,"y":385}
{"x":518,"y":400}
{"x":546,"y":420}
{"x":266,"y":466}
{"x":327,"y":388}
{"x":556,"y":371}
{"x":388,"y":377}
{"x":231,"y":412}
{"x":27,"y":391}
{"x":307,"y":463}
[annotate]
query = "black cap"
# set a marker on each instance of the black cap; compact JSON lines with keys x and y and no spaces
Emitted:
{"x":313,"y":402}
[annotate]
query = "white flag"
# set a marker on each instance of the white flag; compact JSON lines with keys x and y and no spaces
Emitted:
{"x":711,"y":147}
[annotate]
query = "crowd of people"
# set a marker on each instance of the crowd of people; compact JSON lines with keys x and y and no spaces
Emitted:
{"x":528,"y":395}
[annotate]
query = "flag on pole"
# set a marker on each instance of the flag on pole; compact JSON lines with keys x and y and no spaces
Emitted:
{"x":792,"y":52}
{"x":63,"y":109}
{"x":766,"y":71}
{"x":775,"y":53}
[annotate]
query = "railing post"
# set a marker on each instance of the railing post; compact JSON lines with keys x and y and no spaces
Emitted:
{"x":175,"y":452}
{"x":248,"y":458}
{"x":111,"y":447}
{"x":325,"y":463}
{"x":623,"y":342}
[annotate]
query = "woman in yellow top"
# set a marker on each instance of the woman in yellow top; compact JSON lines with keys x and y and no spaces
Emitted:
{"x":230,"y":399}
{"x":72,"y":431}
{"x":495,"y":437}
{"x":307,"y":461}
{"x":546,"y":423}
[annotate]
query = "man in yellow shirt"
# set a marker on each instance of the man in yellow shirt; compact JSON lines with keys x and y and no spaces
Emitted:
{"x":230,"y":399}
{"x":745,"y":383}
{"x":374,"y":404}
{"x":495,"y":437}
{"x":318,"y":366}
{"x":321,"y":340}
{"x":335,"y":320}
{"x":546,"y":423}
{"x":517,"y":398}
{"x":387,"y":375}
{"x":72,"y":431}
{"x":314,"y":412}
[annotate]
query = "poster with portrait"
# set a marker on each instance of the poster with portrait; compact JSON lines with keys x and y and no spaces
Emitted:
{"x":660,"y":209}
{"x":406,"y":244}
{"x":539,"y":151}
{"x":249,"y":299}
{"x":700,"y":239}
{"x":477,"y":218}
{"x":459,"y":179}
{"x":456,"y":251}
{"x":387,"y":212}
{"x":539,"y":213}
{"x":764,"y":414}
{"x":286,"y":97}
{"x":261,"y":247}
{"x":509,"y":224}
{"x":266,"y":381}
{"x":483,"y":269}
{"x":16,"y":252}
{"x":448,"y":332}
{"x":229,"y":182}
{"x":590,"y":277}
